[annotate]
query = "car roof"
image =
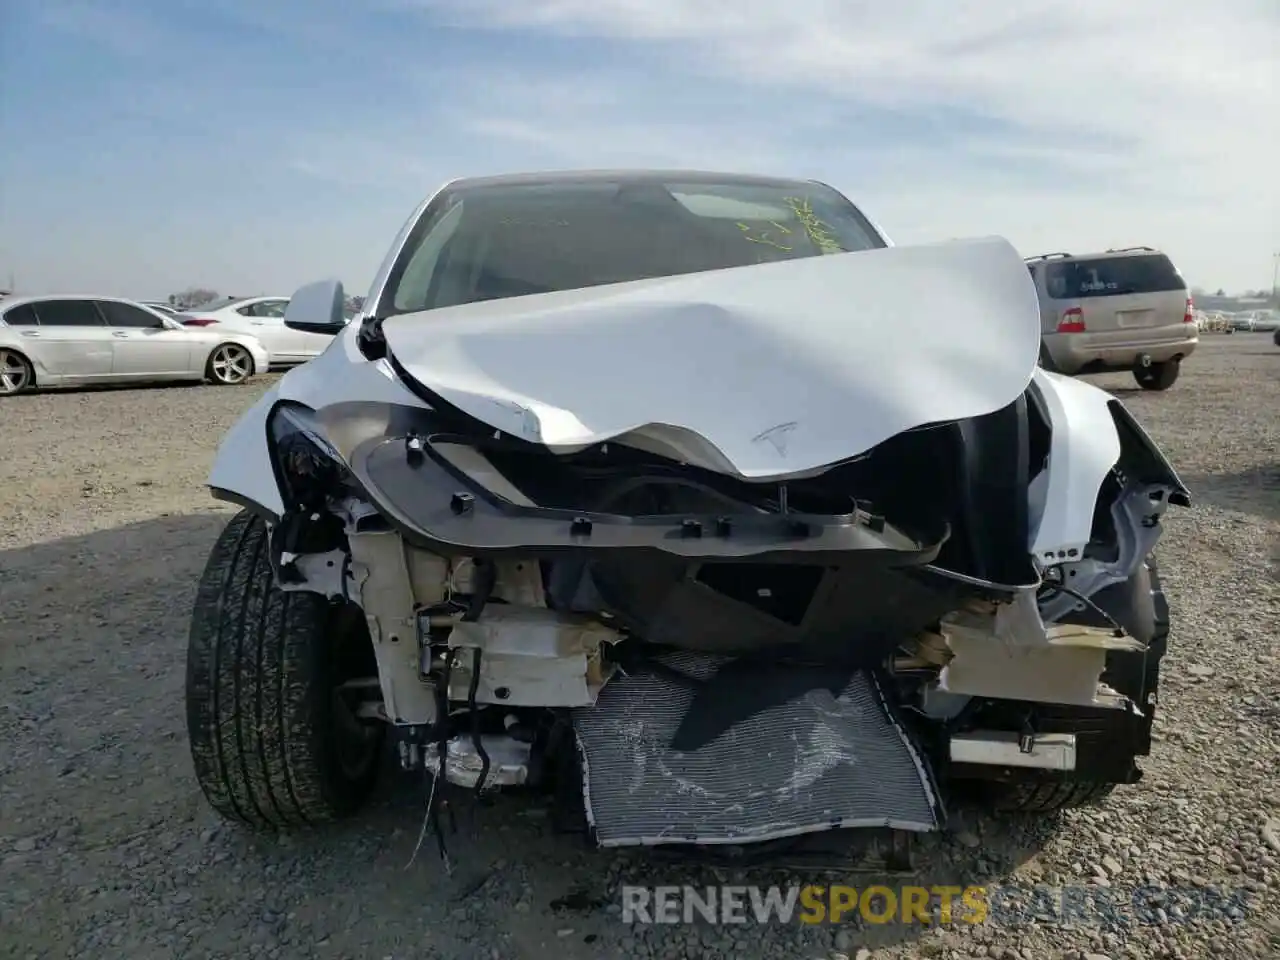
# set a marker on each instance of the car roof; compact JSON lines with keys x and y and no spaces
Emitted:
{"x":258,"y":296}
{"x":636,"y":175}
{"x":1102,"y":255}
{"x":225,"y":302}
{"x":9,"y":302}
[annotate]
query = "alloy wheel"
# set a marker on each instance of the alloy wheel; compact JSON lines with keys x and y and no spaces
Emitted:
{"x":15,"y":373}
{"x":231,"y":364}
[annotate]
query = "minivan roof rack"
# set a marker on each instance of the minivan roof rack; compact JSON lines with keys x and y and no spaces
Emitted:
{"x":1129,"y":249}
{"x":1045,"y":256}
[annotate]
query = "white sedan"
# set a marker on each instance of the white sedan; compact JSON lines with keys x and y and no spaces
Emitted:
{"x":263,"y":317}
{"x":75,"y":341}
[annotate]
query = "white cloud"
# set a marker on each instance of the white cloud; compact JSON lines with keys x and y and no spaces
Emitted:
{"x":1073,"y":125}
{"x":1162,"y":119}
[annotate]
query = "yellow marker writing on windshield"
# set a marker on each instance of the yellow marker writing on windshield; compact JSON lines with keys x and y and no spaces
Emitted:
{"x":818,"y":231}
{"x":764,"y":238}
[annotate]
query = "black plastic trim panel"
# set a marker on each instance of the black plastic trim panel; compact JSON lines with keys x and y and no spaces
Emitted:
{"x":431,"y":502}
{"x":1142,"y":460}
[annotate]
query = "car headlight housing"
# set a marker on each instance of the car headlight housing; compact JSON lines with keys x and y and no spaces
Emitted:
{"x":308,"y":468}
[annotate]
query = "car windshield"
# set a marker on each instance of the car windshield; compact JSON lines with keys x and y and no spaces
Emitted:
{"x":491,"y":241}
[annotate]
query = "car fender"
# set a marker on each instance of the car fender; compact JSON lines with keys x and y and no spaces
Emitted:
{"x":261,"y":356}
{"x":242,"y":472}
{"x":1085,"y":446}
{"x":1093,"y":434}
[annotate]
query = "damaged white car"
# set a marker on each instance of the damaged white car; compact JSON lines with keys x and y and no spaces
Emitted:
{"x":689,"y":499}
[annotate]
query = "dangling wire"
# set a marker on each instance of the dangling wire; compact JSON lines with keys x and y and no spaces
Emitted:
{"x":477,"y":740}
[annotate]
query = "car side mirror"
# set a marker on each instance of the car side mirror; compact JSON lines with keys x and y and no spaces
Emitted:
{"x":317,"y":308}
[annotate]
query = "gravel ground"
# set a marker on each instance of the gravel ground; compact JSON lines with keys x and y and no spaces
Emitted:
{"x":108,"y":850}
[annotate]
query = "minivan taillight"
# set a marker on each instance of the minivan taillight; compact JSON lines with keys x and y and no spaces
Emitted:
{"x":1072,"y":321}
{"x":1190,"y":315}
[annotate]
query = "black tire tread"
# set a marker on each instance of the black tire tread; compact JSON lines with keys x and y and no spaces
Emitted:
{"x":257,"y":692}
{"x":1050,"y":796}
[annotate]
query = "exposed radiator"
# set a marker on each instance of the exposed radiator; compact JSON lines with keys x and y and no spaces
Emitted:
{"x":814,"y":761}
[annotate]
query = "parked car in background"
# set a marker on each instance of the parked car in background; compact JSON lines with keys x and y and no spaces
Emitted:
{"x":1266,"y":321}
{"x":262,"y":317}
{"x":1118,"y":310}
{"x":77,"y":340}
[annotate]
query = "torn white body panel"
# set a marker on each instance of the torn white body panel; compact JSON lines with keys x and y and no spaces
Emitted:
{"x":765,"y":372}
{"x":1084,"y":448}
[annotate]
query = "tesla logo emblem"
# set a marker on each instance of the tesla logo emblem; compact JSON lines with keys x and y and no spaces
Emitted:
{"x":777,"y":436}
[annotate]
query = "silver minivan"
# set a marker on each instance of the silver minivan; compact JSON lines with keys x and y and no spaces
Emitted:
{"x":1119,"y":310}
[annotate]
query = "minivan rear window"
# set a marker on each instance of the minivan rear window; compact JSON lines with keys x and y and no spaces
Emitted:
{"x":1112,"y":277}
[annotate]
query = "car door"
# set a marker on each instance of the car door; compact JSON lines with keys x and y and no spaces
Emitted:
{"x":74,"y":340}
{"x":20,"y":330}
{"x":142,"y":344}
{"x":267,"y":325}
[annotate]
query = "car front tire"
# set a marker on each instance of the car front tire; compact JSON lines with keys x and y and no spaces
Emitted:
{"x":272,"y":740}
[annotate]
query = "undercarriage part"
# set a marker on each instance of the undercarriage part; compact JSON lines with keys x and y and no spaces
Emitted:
{"x":766,"y":758}
{"x":865,"y":851}
{"x":1107,"y":742}
{"x":1053,"y":751}
{"x":507,"y":761}
{"x":532,"y":657}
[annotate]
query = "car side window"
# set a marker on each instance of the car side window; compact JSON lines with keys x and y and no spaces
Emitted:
{"x":271,"y":308}
{"x":68,"y":313}
{"x":126,"y":315}
{"x":23,"y":315}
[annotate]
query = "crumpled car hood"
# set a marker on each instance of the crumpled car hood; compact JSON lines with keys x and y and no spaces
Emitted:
{"x":765,"y":372}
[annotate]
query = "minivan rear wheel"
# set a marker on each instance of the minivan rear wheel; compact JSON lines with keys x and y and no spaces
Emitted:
{"x":1158,"y":376}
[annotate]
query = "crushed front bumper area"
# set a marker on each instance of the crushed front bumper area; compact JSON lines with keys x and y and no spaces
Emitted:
{"x":719,"y":576}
